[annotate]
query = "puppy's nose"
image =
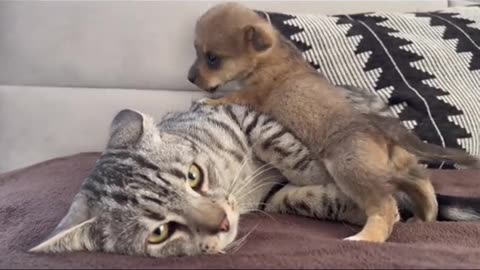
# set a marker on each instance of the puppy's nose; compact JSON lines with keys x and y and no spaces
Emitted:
{"x":225,"y":225}
{"x":191,"y":78}
{"x":192,"y":75}
{"x":212,"y":89}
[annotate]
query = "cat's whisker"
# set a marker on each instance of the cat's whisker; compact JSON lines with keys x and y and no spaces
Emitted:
{"x":234,"y":244}
{"x":245,"y":195}
{"x":235,"y":179}
{"x":244,"y":240}
{"x":254,"y":204}
{"x":244,"y":211}
{"x":252,"y":177}
{"x":242,"y":243}
{"x":247,"y":181}
{"x":256,"y":187}
{"x":246,"y":208}
{"x":259,"y":170}
{"x":237,"y":174}
{"x":237,"y":241}
{"x":265,"y":167}
{"x":243,"y":206}
{"x":252,"y":210}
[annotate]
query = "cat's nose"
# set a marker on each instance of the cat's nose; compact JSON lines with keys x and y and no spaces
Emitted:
{"x":225,"y":225}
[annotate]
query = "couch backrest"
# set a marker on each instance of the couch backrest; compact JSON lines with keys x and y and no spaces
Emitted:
{"x":126,"y":44}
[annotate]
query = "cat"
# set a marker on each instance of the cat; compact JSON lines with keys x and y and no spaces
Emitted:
{"x":178,"y":187}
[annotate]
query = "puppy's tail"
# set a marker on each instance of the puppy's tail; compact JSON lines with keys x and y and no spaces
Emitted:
{"x":394,"y":130}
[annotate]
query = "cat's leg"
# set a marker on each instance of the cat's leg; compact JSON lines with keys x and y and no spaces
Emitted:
{"x":325,"y":202}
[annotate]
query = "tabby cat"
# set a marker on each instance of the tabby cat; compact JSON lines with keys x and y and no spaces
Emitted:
{"x":179,"y":187}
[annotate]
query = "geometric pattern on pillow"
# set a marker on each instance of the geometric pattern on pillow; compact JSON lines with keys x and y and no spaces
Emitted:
{"x":425,"y":66}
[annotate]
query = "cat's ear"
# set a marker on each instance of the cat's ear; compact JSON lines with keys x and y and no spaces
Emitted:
{"x":126,"y":129}
{"x":76,"y":238}
{"x":74,"y":232}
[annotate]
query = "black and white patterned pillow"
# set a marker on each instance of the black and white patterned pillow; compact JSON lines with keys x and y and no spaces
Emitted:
{"x":426,"y":66}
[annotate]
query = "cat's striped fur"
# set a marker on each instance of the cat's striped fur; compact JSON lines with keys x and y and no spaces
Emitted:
{"x":139,"y":183}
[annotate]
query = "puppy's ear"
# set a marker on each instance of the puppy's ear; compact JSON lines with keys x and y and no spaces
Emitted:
{"x":258,"y":37}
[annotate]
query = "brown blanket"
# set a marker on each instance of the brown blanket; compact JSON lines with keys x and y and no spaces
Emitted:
{"x":33,"y":200}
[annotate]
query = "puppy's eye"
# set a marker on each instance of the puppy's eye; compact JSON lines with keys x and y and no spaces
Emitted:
{"x":161,"y":233}
{"x":212,"y":59}
{"x":195,"y":177}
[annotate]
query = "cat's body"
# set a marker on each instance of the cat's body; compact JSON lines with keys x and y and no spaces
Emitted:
{"x":144,"y":198}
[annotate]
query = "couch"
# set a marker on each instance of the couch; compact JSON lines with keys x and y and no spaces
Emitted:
{"x":66,"y":67}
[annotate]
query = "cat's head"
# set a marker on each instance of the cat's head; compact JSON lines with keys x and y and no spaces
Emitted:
{"x":150,"y":193}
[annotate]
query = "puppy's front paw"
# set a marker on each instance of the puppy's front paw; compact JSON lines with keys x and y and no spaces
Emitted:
{"x":203,"y":101}
{"x":211,"y":101}
{"x":196,"y":104}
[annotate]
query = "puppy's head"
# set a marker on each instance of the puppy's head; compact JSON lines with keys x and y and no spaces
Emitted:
{"x":230,"y":39}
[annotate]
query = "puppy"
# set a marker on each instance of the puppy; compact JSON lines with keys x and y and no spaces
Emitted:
{"x":368,"y":156}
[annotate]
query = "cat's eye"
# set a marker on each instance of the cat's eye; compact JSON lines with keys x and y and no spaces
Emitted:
{"x":195,"y":176}
{"x":161,"y":233}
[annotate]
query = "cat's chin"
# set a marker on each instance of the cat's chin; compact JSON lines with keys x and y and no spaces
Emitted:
{"x":218,"y":243}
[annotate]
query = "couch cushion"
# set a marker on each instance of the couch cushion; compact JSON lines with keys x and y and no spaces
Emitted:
{"x":425,"y":65}
{"x":34,"y":199}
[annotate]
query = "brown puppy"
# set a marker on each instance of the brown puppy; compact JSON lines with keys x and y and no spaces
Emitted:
{"x":368,"y":156}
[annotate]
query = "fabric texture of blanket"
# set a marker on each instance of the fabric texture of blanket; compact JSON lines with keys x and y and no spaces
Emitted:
{"x":34,"y":199}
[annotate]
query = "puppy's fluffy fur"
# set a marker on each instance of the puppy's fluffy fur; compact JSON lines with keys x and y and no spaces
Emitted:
{"x":368,"y":156}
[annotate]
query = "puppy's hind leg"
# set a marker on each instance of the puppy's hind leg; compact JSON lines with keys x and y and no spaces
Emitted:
{"x":418,"y":187}
{"x":360,"y":169}
{"x":380,"y":221}
{"x":413,"y":180}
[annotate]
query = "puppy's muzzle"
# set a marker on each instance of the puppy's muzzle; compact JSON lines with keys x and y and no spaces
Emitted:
{"x":212,"y":89}
{"x":192,"y":74}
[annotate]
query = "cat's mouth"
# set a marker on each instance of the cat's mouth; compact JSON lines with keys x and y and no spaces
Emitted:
{"x":223,"y":242}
